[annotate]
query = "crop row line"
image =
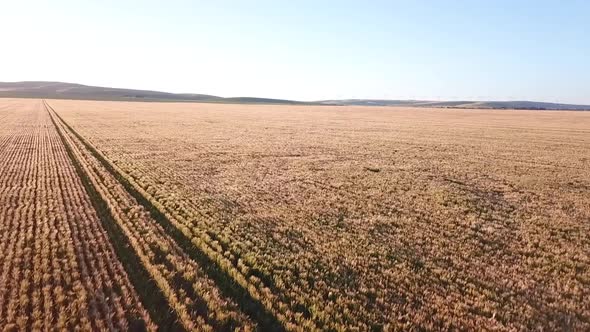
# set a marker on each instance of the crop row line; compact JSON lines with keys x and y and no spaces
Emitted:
{"x":254,"y":295}
{"x":195,"y":300}
{"x":150,"y":294}
{"x":56,"y":269}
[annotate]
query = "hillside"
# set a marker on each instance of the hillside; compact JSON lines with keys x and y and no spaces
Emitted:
{"x":531,"y":105}
{"x":60,"y":90}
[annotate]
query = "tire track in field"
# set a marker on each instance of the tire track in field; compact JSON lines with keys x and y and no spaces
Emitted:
{"x":58,"y":270}
{"x":150,"y":294}
{"x":248,"y":304}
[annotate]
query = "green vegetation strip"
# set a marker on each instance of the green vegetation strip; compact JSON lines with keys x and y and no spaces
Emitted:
{"x":227,"y":285}
{"x":150,"y":294}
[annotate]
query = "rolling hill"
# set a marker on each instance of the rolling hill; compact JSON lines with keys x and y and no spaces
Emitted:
{"x":60,"y":90}
{"x":530,"y":105}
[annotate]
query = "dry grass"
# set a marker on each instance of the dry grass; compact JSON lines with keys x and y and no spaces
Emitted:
{"x":474,"y":219}
{"x":189,"y":292}
{"x":350,"y":218}
{"x":57,"y":267}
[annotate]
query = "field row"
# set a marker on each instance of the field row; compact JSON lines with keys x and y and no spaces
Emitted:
{"x":195,"y":301}
{"x":57,"y":268}
{"x":83,"y":249}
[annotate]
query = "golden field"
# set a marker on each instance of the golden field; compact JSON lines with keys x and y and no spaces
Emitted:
{"x":276,"y":217}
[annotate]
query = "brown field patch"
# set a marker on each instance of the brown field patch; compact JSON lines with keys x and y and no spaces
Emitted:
{"x":365,"y":218}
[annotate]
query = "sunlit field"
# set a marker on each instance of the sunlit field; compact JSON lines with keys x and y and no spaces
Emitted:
{"x":215,"y":217}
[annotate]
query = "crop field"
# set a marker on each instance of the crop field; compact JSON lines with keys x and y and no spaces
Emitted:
{"x":57,"y":268}
{"x":185,"y":216}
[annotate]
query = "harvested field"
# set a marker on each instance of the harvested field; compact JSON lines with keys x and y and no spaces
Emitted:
{"x":370,"y":217}
{"x":306,"y":217}
{"x":57,"y":268}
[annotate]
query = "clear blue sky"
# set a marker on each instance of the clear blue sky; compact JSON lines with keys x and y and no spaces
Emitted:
{"x":307,"y":50}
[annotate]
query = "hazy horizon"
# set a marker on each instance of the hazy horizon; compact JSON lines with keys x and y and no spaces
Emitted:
{"x":533,"y":50}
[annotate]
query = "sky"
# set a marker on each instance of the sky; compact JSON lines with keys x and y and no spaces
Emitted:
{"x":306,"y":50}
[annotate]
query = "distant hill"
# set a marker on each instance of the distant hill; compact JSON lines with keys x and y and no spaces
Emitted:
{"x":60,"y":90}
{"x":254,"y":100}
{"x":530,"y":105}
